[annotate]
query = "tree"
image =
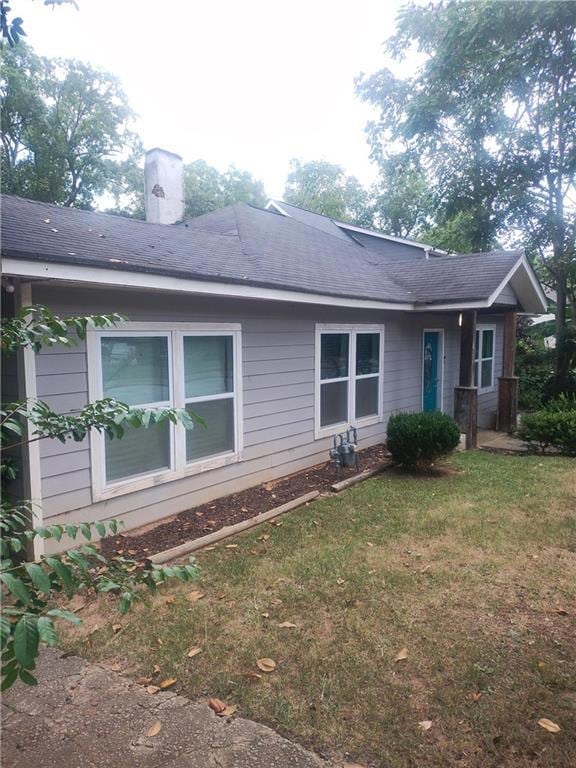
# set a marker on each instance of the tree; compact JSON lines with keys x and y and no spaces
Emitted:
{"x":28,"y":588}
{"x":403,"y":203}
{"x":325,"y":188}
{"x":492,"y":113}
{"x":206,"y":189}
{"x":66,"y":135}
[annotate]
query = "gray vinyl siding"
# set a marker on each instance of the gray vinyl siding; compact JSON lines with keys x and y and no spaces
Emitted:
{"x":278,"y":345}
{"x":507,"y":296}
{"x":388,"y":247}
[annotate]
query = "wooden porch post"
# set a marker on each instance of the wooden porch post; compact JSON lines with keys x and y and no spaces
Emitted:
{"x":508,"y":383}
{"x":466,"y":394}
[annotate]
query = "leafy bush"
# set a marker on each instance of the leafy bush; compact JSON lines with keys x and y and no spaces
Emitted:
{"x":27,"y":589}
{"x":418,"y":440}
{"x":550,"y":429}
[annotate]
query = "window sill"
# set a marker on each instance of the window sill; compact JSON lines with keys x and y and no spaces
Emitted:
{"x":336,"y":429}
{"x":164,"y":476}
{"x":486,"y":390}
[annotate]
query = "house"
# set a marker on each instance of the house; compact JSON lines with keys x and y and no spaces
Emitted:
{"x":280,"y":327}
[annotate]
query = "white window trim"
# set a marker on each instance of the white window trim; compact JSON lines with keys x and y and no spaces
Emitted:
{"x":333,"y":429}
{"x":102,"y":490}
{"x":478,"y":359}
{"x":442,"y":361}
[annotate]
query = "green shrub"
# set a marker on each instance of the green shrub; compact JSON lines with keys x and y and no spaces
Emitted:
{"x":550,"y":429}
{"x":418,"y":440}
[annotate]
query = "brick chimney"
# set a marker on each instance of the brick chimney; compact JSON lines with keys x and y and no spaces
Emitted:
{"x":163,"y":187}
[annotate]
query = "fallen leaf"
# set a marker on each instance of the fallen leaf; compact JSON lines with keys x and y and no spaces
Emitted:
{"x":231,"y":546}
{"x":227,"y":711}
{"x":143,"y":680}
{"x":54,"y":229}
{"x":194,"y":652}
{"x":287,"y":625}
{"x":477,"y":696}
{"x":156,"y":669}
{"x":562,"y":611}
{"x":170,"y":600}
{"x":154,"y":730}
{"x":426,"y":568}
{"x":265,"y":615}
{"x":116,"y":628}
{"x":369,"y":544}
{"x":46,"y":221}
{"x":425,"y":725}
{"x":549,"y":726}
{"x":116,"y":667}
{"x":402,"y":655}
{"x":168,"y":683}
{"x":217,"y":705}
{"x":253,"y":675}
{"x":266,"y":665}
{"x":340,"y":581}
{"x":159,"y":641}
{"x":243,"y":509}
{"x":152,"y":689}
{"x":264,"y":537}
{"x":195,"y":595}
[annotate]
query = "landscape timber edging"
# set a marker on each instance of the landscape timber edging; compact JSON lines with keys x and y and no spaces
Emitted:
{"x":229,"y":530}
{"x":349,"y":481}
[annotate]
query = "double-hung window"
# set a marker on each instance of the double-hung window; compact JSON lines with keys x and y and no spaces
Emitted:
{"x":484,"y":360}
{"x":196,"y":367}
{"x":349,"y":366}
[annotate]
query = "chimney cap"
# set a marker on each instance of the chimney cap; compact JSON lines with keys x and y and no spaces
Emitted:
{"x":163,"y":151}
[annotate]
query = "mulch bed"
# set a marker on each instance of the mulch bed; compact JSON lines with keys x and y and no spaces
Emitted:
{"x":229,"y":510}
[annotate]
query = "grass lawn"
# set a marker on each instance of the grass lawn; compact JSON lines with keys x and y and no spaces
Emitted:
{"x":474,"y":573}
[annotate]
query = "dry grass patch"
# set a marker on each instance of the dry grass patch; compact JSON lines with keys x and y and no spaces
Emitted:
{"x":474,"y":573}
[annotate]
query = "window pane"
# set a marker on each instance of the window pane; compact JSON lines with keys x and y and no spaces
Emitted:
{"x":488,"y":344}
{"x":367,"y":397}
{"x":334,"y":355}
{"x":208,"y":365}
{"x":477,"y":350}
{"x":218,"y":434}
{"x":476,"y":374}
{"x":333,"y":403}
{"x":140,"y":451}
{"x":486,"y":373}
{"x":367,"y":353}
{"x":135,"y":369}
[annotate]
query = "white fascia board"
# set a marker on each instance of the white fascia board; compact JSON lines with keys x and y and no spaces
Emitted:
{"x":144,"y":280}
{"x":273,"y":204}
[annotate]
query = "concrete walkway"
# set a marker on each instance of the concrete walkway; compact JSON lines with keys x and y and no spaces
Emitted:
{"x":84,"y":716}
{"x":500,"y":442}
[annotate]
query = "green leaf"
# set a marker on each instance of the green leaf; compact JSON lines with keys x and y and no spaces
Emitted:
{"x":27,"y":678}
{"x":16,"y":587}
{"x":26,"y":639}
{"x":39,"y":577}
{"x":72,"y":530}
{"x":46,"y":630}
{"x":10,"y":676}
{"x":101,"y":528}
{"x":5,"y":630}
{"x":60,"y":613}
{"x":63,"y":572}
{"x":86,"y":530}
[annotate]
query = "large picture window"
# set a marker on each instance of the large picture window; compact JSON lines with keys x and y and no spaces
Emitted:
{"x":348,"y":376}
{"x":484,"y":361}
{"x":192,"y":367}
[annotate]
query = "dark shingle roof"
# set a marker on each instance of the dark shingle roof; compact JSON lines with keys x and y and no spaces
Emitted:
{"x":247,"y":245}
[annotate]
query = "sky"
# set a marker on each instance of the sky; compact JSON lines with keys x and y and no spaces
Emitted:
{"x":232,"y":81}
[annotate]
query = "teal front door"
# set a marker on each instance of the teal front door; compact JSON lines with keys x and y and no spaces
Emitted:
{"x":432,"y":367}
